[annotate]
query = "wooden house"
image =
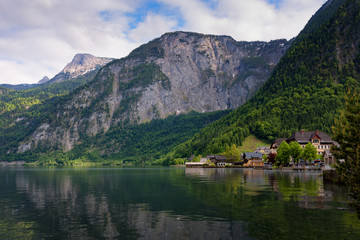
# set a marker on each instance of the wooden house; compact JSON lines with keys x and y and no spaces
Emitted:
{"x":218,"y":160}
{"x":263,"y":150}
{"x":253,"y":159}
{"x":320,"y":140}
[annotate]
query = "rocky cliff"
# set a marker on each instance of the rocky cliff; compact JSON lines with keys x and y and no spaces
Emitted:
{"x":81,"y":64}
{"x":44,"y":80}
{"x":176,"y":73}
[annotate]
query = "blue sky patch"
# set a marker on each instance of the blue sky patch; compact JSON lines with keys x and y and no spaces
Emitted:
{"x":275,"y":2}
{"x":156,"y":8}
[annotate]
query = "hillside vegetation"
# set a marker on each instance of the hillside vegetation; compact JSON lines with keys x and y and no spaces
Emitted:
{"x":128,"y":144}
{"x":305,"y":91}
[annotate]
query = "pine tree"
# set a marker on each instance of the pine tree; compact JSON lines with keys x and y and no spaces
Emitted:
{"x":347,"y":134}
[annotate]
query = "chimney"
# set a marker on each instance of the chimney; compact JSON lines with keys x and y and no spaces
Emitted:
{"x":302,"y":131}
{"x":317,"y":131}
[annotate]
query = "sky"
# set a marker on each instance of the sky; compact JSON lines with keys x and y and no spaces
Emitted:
{"x":39,"y":37}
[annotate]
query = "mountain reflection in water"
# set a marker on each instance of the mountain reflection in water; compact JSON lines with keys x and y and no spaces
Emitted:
{"x":170,"y":203}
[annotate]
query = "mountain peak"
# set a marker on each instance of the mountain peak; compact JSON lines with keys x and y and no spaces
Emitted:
{"x":85,"y":59}
{"x":81,"y":64}
{"x":44,"y":80}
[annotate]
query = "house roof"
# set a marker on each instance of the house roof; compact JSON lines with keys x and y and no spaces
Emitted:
{"x":262,"y":148}
{"x":305,"y":137}
{"x":250,"y":155}
{"x":217,"y":157}
{"x":277,"y":142}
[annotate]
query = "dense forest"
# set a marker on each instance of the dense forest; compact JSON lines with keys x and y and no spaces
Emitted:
{"x":305,"y":91}
{"x":17,"y":101}
{"x":128,"y":144}
{"x":17,"y":108}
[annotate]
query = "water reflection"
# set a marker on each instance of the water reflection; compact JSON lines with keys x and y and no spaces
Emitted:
{"x":166,"y":204}
{"x":306,"y":188}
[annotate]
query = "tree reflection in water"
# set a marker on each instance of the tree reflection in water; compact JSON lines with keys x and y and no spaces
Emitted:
{"x":170,"y":203}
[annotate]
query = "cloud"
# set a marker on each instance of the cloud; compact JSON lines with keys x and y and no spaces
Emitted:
{"x":48,"y":33}
{"x":153,"y":26}
{"x":38,"y":37}
{"x":247,"y":19}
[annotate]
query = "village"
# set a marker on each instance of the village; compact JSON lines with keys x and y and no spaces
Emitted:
{"x":265,"y":157}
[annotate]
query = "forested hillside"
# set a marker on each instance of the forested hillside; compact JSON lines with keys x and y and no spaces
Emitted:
{"x":14,"y":103}
{"x":128,"y":144}
{"x":305,"y":91}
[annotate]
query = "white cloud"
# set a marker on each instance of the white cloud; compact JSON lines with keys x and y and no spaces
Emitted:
{"x":152,"y":27}
{"x":38,"y":37}
{"x":47,"y":34}
{"x":247,"y":19}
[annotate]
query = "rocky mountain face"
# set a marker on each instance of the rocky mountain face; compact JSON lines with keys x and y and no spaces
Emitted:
{"x":81,"y":64}
{"x":44,"y":80}
{"x":176,"y":73}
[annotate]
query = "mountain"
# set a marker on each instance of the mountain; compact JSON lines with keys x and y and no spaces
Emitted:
{"x":177,"y":73}
{"x":20,"y":104}
{"x":305,"y":91}
{"x":83,"y":69}
{"x":81,"y":64}
{"x":44,"y":80}
{"x":19,"y":87}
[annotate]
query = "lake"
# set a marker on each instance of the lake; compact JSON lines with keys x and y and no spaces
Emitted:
{"x":171,"y":203}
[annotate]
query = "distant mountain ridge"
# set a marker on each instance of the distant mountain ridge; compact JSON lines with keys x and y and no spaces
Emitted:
{"x":177,"y":73}
{"x":81,"y":64}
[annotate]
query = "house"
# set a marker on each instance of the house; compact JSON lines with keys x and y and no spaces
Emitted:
{"x":263,"y":150}
{"x":276,"y":144}
{"x":218,"y":160}
{"x":320,"y":140}
{"x":253,"y":159}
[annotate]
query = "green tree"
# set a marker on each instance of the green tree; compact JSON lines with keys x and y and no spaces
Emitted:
{"x":295,"y":151}
{"x":196,"y":158}
{"x":347,"y":134}
{"x":227,"y":152}
{"x":232,"y":153}
{"x":235,"y":153}
{"x":309,"y":152}
{"x":264,"y":158}
{"x":283,"y":154}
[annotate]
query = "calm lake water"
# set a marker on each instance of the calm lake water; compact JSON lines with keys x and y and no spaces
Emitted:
{"x":171,"y":203}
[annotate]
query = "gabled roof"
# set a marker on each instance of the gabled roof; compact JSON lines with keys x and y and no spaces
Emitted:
{"x":305,"y":137}
{"x":217,"y":157}
{"x":277,"y":142}
{"x":250,"y":155}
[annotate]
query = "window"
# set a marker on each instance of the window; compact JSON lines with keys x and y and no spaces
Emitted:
{"x":315,"y":140}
